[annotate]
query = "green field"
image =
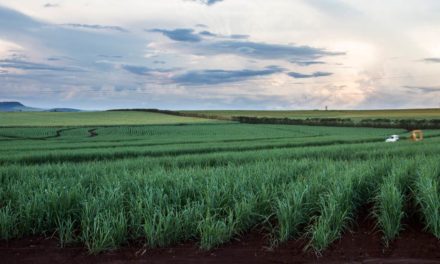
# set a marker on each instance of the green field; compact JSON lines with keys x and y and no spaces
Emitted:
{"x":353,"y":114}
{"x":164,"y":184}
{"x":92,"y":119}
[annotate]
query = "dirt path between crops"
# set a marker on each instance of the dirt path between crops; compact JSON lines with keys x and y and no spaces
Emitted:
{"x":92,"y":132}
{"x":362,"y":245}
{"x":57,"y":135}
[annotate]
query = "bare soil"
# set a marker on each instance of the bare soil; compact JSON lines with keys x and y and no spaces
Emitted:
{"x":361,"y":245}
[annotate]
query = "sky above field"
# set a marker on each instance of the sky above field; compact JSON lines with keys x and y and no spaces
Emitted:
{"x":221,"y":54}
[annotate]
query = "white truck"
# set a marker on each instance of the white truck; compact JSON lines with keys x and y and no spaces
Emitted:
{"x":392,"y":138}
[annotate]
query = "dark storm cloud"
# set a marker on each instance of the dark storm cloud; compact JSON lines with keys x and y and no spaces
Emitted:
{"x":212,"y":77}
{"x":432,"y":60}
{"x":96,"y":27}
{"x":297,"y":75}
{"x":423,"y":89}
{"x":180,"y":34}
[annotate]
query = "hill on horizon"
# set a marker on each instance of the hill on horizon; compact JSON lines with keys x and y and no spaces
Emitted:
{"x":64,"y":110}
{"x":15,"y":106}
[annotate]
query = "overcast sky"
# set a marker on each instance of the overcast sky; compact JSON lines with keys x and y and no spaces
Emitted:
{"x":221,"y":54}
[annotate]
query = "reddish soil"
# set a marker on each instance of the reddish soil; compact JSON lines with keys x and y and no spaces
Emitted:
{"x":362,"y":245}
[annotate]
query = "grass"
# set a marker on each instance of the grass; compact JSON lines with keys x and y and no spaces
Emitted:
{"x":391,"y":200}
{"x":7,"y":221}
{"x":161,"y":185}
{"x":390,"y":211}
{"x":427,"y":195}
{"x":44,"y":119}
{"x":338,"y":205}
{"x":292,"y":210}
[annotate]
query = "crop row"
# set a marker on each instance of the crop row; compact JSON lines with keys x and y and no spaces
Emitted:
{"x":105,"y":209}
{"x":104,"y":195}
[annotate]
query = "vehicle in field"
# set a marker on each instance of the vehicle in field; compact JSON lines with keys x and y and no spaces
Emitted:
{"x":392,"y":138}
{"x":416,"y":135}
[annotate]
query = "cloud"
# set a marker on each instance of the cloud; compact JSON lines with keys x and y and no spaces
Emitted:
{"x":297,"y":75}
{"x":335,"y":8}
{"x":432,"y":60}
{"x":26,"y":65}
{"x":49,"y":5}
{"x":307,"y":63}
{"x":110,"y":56}
{"x":207,"y":2}
{"x":423,"y":89}
{"x":212,"y":77}
{"x":258,"y":50}
{"x":238,"y":36}
{"x":180,"y":34}
{"x":53,"y":59}
{"x":12,"y":20}
{"x":138,"y":70}
{"x":207,"y":33}
{"x":189,"y":35}
{"x":96,"y":27}
{"x":33,"y":35}
{"x":228,"y":68}
{"x":143,"y":70}
{"x":121,"y":88}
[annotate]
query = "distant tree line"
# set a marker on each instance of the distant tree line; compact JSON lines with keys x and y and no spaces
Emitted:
{"x":409,"y":124}
{"x":176,"y":113}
